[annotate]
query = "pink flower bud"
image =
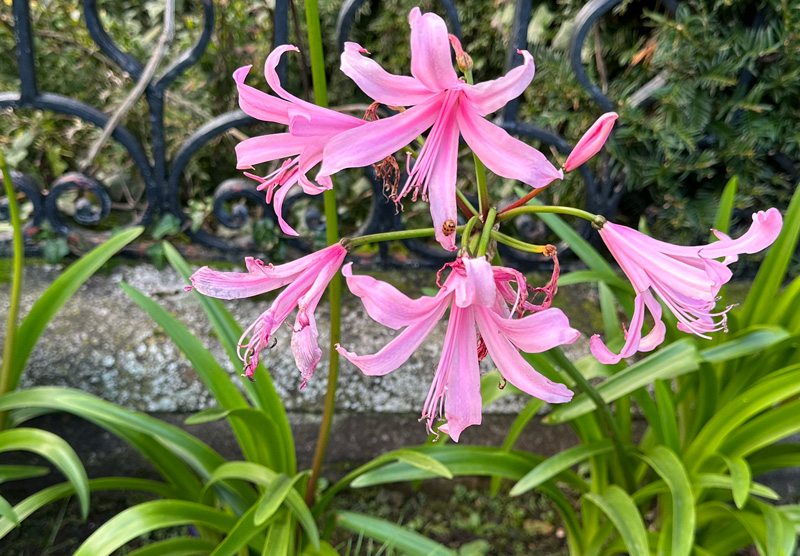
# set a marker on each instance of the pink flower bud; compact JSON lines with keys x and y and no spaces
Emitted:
{"x":591,"y":142}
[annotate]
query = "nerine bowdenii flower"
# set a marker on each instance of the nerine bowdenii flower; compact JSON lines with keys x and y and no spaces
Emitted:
{"x":477,"y":305}
{"x":686,"y":279}
{"x":448,"y":107}
{"x":305,"y":280}
{"x":310,"y":129}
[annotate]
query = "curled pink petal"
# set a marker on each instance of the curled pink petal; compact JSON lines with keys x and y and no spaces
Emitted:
{"x":377,"y":83}
{"x":257,"y":104}
{"x":763,"y":232}
{"x":490,"y":96}
{"x":265,"y":148}
{"x":591,"y":142}
{"x":633,"y":335}
{"x":537,"y":332}
{"x":479,"y":287}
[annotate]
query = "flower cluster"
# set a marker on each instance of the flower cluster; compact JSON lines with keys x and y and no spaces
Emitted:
{"x":488,"y":307}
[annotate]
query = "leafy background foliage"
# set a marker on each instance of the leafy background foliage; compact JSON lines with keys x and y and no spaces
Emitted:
{"x":709,"y":121}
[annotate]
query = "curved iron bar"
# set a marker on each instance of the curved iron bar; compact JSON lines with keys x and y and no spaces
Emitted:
{"x":33,"y":193}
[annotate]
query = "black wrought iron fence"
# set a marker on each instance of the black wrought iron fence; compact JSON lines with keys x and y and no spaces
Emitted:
{"x":162,"y":175}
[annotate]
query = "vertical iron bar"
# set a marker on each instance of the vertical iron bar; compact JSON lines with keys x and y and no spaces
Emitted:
{"x":25,"y":52}
{"x":519,"y":36}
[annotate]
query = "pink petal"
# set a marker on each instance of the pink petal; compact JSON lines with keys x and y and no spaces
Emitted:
{"x":431,"y":63}
{"x":442,"y":184}
{"x":591,"y":142}
{"x":270,"y":72}
{"x":396,"y":352}
{"x":388,"y":306}
{"x":277,"y":206}
{"x":513,"y":366}
{"x":477,"y":288}
{"x":490,"y":96}
{"x":462,"y":402}
{"x":376,"y":140}
{"x":258,"y":104}
{"x":377,"y":83}
{"x":764,"y":230}
{"x":305,"y":348}
{"x":236,"y":285}
{"x":633,"y":336}
{"x":537,"y":332}
{"x":265,"y":148}
{"x":320,"y":123}
{"x":503,"y":154}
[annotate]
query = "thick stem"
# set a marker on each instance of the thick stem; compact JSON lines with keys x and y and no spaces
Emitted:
{"x":16,"y":285}
{"x":507,"y":214}
{"x":461,"y":198}
{"x":335,"y":287}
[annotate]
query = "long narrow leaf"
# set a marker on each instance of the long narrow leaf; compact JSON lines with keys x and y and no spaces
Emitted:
{"x":401,"y":538}
{"x":58,"y":293}
{"x":623,"y":513}
{"x":722,"y":221}
{"x":741,"y":479}
{"x":179,"y":546}
{"x":559,"y":463}
{"x":18,"y":472}
{"x":261,"y":392}
{"x":759,"y":303}
{"x":664,"y":462}
{"x":54,"y":449}
{"x":674,"y":360}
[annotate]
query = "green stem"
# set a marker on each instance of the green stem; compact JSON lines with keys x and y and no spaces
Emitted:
{"x":390,"y":236}
{"x":16,"y":285}
{"x":335,"y":287}
{"x":605,"y":413}
{"x":506,"y":214}
{"x":516,"y":243}
{"x":468,"y":232}
{"x":486,"y":233}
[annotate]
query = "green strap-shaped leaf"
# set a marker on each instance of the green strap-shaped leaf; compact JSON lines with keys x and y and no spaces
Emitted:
{"x":240,"y":534}
{"x":559,"y":463}
{"x":150,"y":516}
{"x":207,"y":416}
{"x":7,"y":511}
{"x":741,"y":479}
{"x":764,"y":430}
{"x":260,"y":475}
{"x":279,"y":536}
{"x":179,"y":546}
{"x":394,"y":536}
{"x":54,"y":449}
{"x":744,"y":343}
{"x":674,"y":360}
{"x":261,"y":392}
{"x":722,"y":221}
{"x":762,"y":395}
{"x":18,"y":472}
{"x":274,"y":495}
{"x":759,"y":305}
{"x":520,"y":422}
{"x":775,"y":457}
{"x":670,"y":468}
{"x":781,"y":536}
{"x":494,"y":387}
{"x":666,"y":413}
{"x":58,"y":293}
{"x":51,"y":494}
{"x":622,"y":511}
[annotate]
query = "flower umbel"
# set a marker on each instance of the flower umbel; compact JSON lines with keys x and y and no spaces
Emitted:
{"x":310,"y":129}
{"x":686,"y":279}
{"x":445,"y":105}
{"x":306,"y":279}
{"x":471,"y":293}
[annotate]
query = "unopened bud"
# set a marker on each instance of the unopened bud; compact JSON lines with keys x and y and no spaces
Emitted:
{"x":591,"y":142}
{"x":463,"y":60}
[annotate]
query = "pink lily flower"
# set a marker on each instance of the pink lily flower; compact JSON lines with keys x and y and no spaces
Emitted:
{"x":686,"y":279}
{"x":474,"y":299}
{"x":448,"y":107}
{"x":306,"y":279}
{"x":310,"y":128}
